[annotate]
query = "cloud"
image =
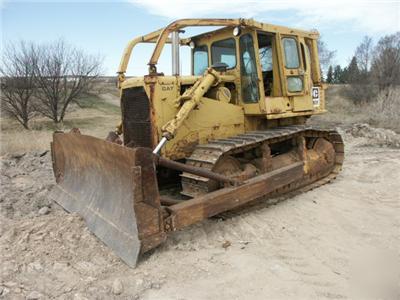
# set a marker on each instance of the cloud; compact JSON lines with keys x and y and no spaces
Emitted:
{"x":370,"y":16}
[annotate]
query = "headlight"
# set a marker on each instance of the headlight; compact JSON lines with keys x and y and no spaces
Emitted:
{"x":236,"y":31}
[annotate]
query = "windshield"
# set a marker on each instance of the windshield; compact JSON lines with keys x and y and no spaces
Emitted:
{"x":224,"y":52}
{"x":200,"y":60}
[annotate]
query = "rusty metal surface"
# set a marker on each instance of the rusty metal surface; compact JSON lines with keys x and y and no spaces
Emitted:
{"x":320,"y":165}
{"x":208,"y":155}
{"x":170,"y":164}
{"x":211,"y":204}
{"x":98,"y":180}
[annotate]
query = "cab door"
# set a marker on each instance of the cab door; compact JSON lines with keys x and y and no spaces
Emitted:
{"x":250,"y":74}
{"x":294,"y":75}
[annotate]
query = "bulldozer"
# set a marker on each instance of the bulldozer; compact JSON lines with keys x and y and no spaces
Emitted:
{"x":191,"y":147}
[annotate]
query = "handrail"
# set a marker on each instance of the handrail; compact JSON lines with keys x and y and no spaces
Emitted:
{"x":148,"y":38}
{"x":161,"y":37}
{"x":128,"y":50}
{"x":179,"y":24}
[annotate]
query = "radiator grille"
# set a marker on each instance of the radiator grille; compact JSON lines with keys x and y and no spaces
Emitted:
{"x":136,"y":118}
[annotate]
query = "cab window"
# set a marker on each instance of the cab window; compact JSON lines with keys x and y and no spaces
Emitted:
{"x":291,"y":53}
{"x":200,"y":60}
{"x":295,"y":84}
{"x":248,"y":70}
{"x":265,"y":44}
{"x":224,"y":52}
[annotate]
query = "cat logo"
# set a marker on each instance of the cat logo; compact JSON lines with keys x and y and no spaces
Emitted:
{"x":315,"y":96}
{"x":167,"y":88}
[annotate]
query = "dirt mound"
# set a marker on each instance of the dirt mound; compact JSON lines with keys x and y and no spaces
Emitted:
{"x":375,"y":136}
{"x":26,"y":179}
{"x":46,"y":252}
{"x":54,"y":254}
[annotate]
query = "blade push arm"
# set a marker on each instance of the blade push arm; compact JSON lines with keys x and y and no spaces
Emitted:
{"x":191,"y":98}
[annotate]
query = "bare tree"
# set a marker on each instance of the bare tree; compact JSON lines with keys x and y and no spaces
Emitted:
{"x":325,"y":55}
{"x":63,"y":73}
{"x":362,"y":88}
{"x":364,"y":55}
{"x":386,"y":62}
{"x":376,"y":68}
{"x":17,"y":81}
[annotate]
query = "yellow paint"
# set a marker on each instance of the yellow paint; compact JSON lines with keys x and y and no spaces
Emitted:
{"x":195,"y":118}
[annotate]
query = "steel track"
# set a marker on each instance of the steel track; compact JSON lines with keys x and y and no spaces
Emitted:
{"x":207,"y":156}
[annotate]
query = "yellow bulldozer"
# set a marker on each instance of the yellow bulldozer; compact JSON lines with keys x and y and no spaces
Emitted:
{"x":191,"y":147}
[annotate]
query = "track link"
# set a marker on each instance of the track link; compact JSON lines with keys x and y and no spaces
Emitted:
{"x":207,"y":156}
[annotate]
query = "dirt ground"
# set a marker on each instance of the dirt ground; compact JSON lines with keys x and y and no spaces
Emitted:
{"x":339,"y":241}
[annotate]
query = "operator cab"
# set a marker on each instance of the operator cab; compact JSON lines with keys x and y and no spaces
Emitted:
{"x":275,"y":68}
{"x":227,"y":51}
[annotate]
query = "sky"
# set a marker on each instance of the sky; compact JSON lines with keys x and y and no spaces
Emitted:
{"x":105,"y":27}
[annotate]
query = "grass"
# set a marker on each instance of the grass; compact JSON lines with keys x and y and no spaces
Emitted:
{"x":95,"y":117}
{"x":383,"y":112}
{"x":99,"y":103}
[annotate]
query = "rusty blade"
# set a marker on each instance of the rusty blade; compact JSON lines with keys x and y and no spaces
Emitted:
{"x":95,"y":179}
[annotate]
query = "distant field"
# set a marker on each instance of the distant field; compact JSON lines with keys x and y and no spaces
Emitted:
{"x":96,"y":115}
{"x":99,"y":113}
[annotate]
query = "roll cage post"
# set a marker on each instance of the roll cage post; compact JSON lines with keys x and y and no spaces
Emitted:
{"x":161,"y":37}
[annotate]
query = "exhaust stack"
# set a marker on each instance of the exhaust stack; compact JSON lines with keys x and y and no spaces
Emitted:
{"x":175,"y":53}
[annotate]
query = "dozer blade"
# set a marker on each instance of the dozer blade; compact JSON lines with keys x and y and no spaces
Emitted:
{"x":113,"y":188}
